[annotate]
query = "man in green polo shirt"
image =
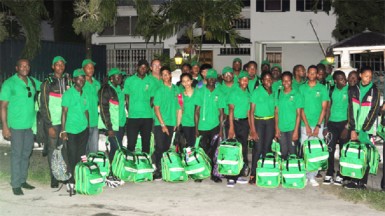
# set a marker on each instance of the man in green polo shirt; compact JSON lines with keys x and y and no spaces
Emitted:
{"x":52,"y":91}
{"x":227,"y":86}
{"x":254,"y":79}
{"x":139,"y":90}
{"x":276,"y":71}
{"x":155,"y":72}
{"x":299,"y":76}
{"x":195,"y":68}
{"x":91,"y":89}
{"x":238,"y":124}
{"x":75,"y":124}
{"x":265,"y":66}
{"x":328,"y":71}
{"x":237,"y":67}
{"x":337,"y":123}
{"x":315,"y":102}
{"x":209,"y":115}
{"x":18,"y":113}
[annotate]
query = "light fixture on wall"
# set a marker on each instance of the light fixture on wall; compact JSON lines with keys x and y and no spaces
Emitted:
{"x":178,"y":58}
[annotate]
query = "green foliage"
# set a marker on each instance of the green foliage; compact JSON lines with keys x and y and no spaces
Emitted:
{"x":29,"y":14}
{"x":213,"y":19}
{"x":354,"y":17}
{"x":3,"y":29}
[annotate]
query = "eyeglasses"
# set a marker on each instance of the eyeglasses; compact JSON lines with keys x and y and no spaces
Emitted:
{"x":29,"y":92}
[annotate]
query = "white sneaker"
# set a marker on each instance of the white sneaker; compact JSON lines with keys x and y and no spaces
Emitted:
{"x":242,"y":180}
{"x":313,"y":183}
{"x":230,"y":183}
{"x":339,"y":181}
{"x":328,"y":180}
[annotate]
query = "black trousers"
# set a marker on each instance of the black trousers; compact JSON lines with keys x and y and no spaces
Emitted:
{"x":162,"y":143}
{"x":76,"y":147}
{"x":136,"y":126}
{"x":52,"y":143}
{"x":115,"y":143}
{"x":189,"y":134}
{"x":265,"y":130}
{"x":287,"y":145}
{"x":205,"y":143}
{"x":335,"y":128}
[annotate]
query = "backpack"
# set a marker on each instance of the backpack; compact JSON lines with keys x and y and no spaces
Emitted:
{"x":293,"y":173}
{"x":268,"y":172}
{"x":88,"y":179}
{"x":195,"y":161}
{"x":58,"y":165}
{"x":172,"y":166}
{"x":121,"y":163}
{"x":101,"y":159}
{"x":374,"y":159}
{"x":230,"y":158}
{"x":315,"y":154}
{"x":354,"y":160}
{"x":142,"y":170}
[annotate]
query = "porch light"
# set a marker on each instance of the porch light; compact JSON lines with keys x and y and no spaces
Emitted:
{"x":178,"y":58}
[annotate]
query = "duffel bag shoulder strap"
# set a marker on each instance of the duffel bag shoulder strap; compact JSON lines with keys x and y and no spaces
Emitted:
{"x":321,"y":143}
{"x":308,"y":145}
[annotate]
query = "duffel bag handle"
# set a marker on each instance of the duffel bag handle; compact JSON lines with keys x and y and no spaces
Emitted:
{"x":197,"y":141}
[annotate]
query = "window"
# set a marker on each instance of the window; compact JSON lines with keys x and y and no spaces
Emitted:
{"x":309,"y":5}
{"x":273,"y":5}
{"x":123,"y":26}
{"x":234,"y":51}
{"x":274,"y":55}
{"x":242,"y":24}
{"x":206,"y":57}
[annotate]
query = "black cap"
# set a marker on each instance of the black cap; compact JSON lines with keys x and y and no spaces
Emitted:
{"x":143,"y":62}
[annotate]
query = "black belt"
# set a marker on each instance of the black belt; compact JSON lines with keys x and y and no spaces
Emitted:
{"x":240,"y":119}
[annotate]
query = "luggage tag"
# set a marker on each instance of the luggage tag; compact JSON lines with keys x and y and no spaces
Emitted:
{"x":369,"y":99}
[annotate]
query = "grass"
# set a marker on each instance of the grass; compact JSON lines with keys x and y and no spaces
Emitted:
{"x":38,"y":167}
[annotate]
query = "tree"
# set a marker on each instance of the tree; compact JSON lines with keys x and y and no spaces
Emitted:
{"x":3,"y":29}
{"x":354,"y":17}
{"x":92,"y":17}
{"x":29,"y":15}
{"x":199,"y":19}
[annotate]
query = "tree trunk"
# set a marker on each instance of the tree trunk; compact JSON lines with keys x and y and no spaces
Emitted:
{"x":88,"y":38}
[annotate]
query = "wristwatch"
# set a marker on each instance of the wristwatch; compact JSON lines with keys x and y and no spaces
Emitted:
{"x":318,"y":125}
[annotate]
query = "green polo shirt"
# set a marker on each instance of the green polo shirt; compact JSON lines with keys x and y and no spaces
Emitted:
{"x":330,"y":80}
{"x":188,"y":109}
{"x":287,"y":104}
{"x":91,"y":90}
{"x":21,"y":108}
{"x":312,"y":102}
{"x":167,"y":99}
{"x":295,"y":84}
{"x":339,"y":104}
{"x":264,"y":103}
{"x":241,"y":101}
{"x":122,"y":103}
{"x":210,"y":103}
{"x":277,"y":85}
{"x":157,"y":82}
{"x":226,"y":90}
{"x":76,"y":121}
{"x":252,"y":84}
{"x":140,"y":92}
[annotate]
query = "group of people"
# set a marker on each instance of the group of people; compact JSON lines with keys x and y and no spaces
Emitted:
{"x":243,"y":102}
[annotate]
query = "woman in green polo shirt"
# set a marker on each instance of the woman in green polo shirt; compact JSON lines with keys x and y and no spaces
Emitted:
{"x":288,"y":104}
{"x":188,"y":106}
{"x":238,"y":124}
{"x":75,"y":123}
{"x":262,"y":128}
{"x":168,"y":116}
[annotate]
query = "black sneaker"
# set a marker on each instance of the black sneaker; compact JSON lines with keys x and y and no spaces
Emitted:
{"x":157,"y":176}
{"x":17,"y":191}
{"x":319,"y":175}
{"x":252,"y":180}
{"x":27,"y":186}
{"x":216,"y":179}
{"x":328,"y":180}
{"x":338,"y":181}
{"x":198,"y":180}
{"x":351,"y":185}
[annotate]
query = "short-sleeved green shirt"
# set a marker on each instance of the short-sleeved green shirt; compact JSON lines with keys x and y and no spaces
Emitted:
{"x":264,"y":102}
{"x":91,"y":90}
{"x":157,"y":82}
{"x":76,"y":121}
{"x":188,"y":109}
{"x":277,"y":85}
{"x":329,"y":79}
{"x":295,"y":84}
{"x":210,"y":104}
{"x":226,"y":90}
{"x":253,"y":83}
{"x":21,"y":112}
{"x":167,"y":99}
{"x":287,"y":104}
{"x":312,"y":102}
{"x":140,"y":92}
{"x":339,"y":104}
{"x":241,"y":101}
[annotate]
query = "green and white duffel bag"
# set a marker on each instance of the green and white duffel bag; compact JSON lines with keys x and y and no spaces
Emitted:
{"x":101,"y":159}
{"x":276,"y":148}
{"x":268,"y":172}
{"x":230,"y":158}
{"x":374,"y":159}
{"x":293,"y":173}
{"x":88,"y":179}
{"x":142,"y":170}
{"x":315,"y":154}
{"x":172,"y":167}
{"x":196,"y":162}
{"x":123,"y":165}
{"x":354,"y":160}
